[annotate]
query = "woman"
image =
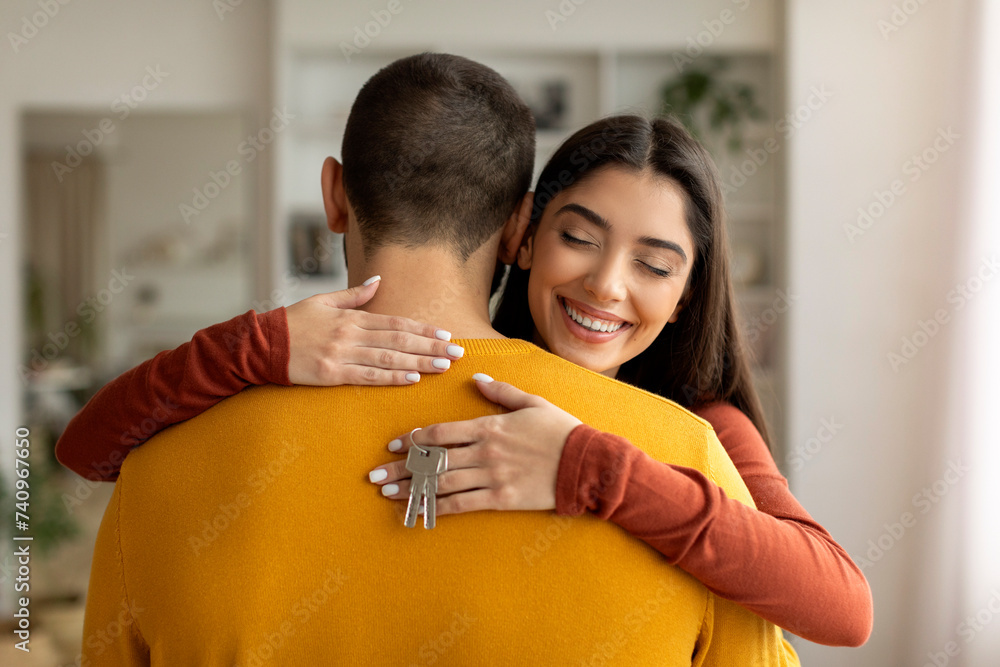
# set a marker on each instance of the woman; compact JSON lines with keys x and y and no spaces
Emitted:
{"x":623,"y":270}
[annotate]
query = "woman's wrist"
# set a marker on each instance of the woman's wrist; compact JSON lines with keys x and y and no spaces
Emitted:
{"x":274,"y":324}
{"x":568,"y":477}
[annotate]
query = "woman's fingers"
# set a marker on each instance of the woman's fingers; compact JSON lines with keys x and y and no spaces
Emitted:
{"x":354,"y":374}
{"x":458,"y":458}
{"x":380,"y":367}
{"x":505,"y":394}
{"x":405,"y":351}
{"x":471,"y":501}
{"x":445,"y":434}
{"x":332,"y":344}
{"x":450,"y":483}
{"x":379,"y":322}
{"x":352,"y":297}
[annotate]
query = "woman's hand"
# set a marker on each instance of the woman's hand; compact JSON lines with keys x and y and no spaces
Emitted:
{"x":333,"y":345}
{"x":509,"y":461}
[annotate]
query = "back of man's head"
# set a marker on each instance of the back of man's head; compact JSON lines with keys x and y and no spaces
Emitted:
{"x":438,"y":148}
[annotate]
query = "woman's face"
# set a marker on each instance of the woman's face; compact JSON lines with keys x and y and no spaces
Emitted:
{"x":609,"y":263}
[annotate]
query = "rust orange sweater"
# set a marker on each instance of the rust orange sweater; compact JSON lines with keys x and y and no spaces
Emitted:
{"x":777,"y":562}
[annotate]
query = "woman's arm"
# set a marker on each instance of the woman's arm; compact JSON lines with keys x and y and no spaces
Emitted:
{"x":333,"y":344}
{"x":173,"y":386}
{"x":776,"y":560}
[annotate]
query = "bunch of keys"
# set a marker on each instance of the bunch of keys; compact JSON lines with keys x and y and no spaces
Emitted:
{"x":426,"y":463}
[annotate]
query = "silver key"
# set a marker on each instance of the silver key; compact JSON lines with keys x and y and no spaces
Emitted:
{"x":426,"y":463}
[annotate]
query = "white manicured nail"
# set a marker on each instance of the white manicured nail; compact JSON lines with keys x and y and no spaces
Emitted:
{"x":441,"y":334}
{"x":413,"y":377}
{"x":443,"y":364}
{"x":378,"y":475}
{"x":482,"y":377}
{"x":390,"y":489}
{"x":370,"y":281}
{"x":456,"y":351}
{"x":395,"y":445}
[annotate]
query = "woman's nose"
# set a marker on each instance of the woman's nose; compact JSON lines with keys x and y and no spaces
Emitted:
{"x":605,"y":282}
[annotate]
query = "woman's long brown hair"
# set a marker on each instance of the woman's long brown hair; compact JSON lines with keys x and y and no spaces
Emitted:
{"x":702,"y":357}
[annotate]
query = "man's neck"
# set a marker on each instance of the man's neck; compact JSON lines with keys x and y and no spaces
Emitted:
{"x":429,"y":285}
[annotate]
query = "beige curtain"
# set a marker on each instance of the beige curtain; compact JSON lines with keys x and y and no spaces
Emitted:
{"x":65,"y":235}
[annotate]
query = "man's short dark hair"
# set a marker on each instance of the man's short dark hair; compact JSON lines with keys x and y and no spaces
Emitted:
{"x":438,"y":149}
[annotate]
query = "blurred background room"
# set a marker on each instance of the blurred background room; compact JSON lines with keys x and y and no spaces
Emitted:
{"x":159,"y":172}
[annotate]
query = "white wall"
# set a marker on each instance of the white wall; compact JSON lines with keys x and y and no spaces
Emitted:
{"x":85,"y":57}
{"x":448,"y":24}
{"x":858,"y":300}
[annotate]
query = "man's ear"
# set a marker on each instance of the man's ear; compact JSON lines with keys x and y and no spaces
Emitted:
{"x":334,"y":195}
{"x":513,"y":230}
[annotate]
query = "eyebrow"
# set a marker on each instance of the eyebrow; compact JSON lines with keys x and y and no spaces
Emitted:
{"x":602,"y":222}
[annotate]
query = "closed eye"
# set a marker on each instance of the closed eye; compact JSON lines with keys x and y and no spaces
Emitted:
{"x":573,"y":240}
{"x":655,"y":271}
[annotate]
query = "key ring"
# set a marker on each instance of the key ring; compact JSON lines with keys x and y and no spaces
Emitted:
{"x":413,"y":444}
{"x":444,"y":454}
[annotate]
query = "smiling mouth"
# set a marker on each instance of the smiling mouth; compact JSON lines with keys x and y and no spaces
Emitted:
{"x":593,"y":324}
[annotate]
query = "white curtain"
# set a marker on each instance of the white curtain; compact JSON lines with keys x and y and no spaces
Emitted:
{"x":956,"y":617}
{"x":977,"y":378}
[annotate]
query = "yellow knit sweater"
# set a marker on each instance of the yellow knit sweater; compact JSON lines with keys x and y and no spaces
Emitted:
{"x":251,"y":535}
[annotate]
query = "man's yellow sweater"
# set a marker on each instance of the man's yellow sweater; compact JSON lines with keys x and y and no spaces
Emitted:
{"x":251,"y":535}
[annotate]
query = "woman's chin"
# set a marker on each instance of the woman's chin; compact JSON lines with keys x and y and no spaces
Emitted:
{"x":592,"y":362}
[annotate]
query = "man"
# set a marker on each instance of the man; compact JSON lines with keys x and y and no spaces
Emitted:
{"x":251,"y":534}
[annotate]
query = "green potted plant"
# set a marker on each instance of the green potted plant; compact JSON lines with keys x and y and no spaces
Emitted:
{"x":709,"y":104}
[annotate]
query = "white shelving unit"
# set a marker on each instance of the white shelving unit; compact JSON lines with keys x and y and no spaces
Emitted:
{"x":319,"y":86}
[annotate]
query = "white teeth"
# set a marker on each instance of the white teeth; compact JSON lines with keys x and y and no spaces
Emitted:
{"x":593,"y":325}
